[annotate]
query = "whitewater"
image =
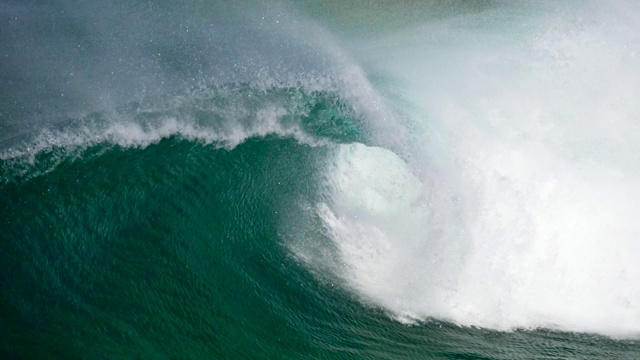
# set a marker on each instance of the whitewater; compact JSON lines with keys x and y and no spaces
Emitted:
{"x":511,"y":200}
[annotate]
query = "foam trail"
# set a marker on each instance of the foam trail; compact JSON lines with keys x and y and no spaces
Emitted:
{"x":517,"y":207}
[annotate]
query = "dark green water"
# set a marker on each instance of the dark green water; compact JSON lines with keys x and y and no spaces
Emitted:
{"x":164,"y":170}
{"x":176,"y":251}
{"x":179,"y":249}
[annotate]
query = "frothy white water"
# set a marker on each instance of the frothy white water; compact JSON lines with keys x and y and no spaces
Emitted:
{"x":517,"y":207}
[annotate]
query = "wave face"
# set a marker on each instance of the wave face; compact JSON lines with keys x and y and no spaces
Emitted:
{"x":320,"y":181}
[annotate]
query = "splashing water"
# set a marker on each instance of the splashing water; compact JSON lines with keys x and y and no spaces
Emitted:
{"x":514,"y":205}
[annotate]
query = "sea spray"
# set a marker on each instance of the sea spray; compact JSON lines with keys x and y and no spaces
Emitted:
{"x":523,"y":138}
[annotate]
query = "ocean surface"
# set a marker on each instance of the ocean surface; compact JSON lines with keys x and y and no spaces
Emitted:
{"x":319,"y":180}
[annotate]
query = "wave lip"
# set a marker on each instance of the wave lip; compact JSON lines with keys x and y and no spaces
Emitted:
{"x":310,"y":110}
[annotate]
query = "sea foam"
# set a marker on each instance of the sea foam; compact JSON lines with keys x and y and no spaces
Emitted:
{"x":514,"y":205}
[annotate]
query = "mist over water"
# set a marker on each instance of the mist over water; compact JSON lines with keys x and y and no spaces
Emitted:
{"x":64,"y":59}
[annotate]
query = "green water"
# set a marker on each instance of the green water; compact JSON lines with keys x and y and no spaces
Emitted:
{"x":176,"y":251}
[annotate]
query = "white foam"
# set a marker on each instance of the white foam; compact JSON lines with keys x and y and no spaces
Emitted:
{"x":518,"y":206}
{"x":378,"y":216}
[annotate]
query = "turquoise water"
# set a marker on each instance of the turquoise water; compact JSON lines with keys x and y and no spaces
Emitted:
{"x":319,"y":181}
